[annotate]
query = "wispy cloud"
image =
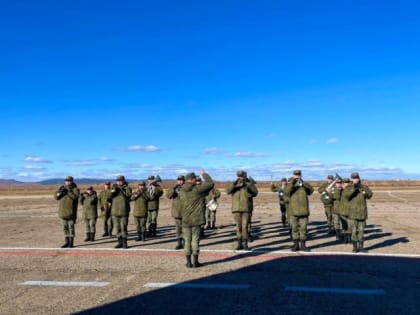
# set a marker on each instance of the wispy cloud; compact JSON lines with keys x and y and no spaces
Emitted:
{"x":35,"y":159}
{"x":212,"y":151}
{"x":139,"y":148}
{"x":332,"y":140}
{"x":248,"y":154}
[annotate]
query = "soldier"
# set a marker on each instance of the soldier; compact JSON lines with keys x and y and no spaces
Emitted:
{"x":280,"y":191}
{"x":141,"y":199}
{"x":297,"y":192}
{"x":242,"y":189}
{"x":357,"y":193}
{"x":344,"y":214}
{"x":203,"y":204}
{"x":120,"y":209}
{"x":335,"y":195}
{"x":105,"y":206}
{"x":155,"y":192}
{"x":68,"y":197}
{"x":89,"y":201}
{"x":328,"y":203}
{"x":211,"y":208}
{"x":191,"y":198}
{"x":173,"y":193}
{"x":251,"y":208}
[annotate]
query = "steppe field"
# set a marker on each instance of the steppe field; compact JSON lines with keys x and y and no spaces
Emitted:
{"x":150,"y":277}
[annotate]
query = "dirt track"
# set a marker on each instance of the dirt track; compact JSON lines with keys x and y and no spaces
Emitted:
{"x":31,"y":234}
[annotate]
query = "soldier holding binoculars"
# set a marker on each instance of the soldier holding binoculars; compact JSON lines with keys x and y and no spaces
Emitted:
{"x":89,"y":201}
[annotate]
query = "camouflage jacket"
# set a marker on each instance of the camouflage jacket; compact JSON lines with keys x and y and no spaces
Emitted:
{"x":356,"y":197}
{"x":120,"y":196}
{"x":298,"y":198}
{"x":90,"y":205}
{"x":173,"y":193}
{"x":68,"y":197}
{"x":242,"y":194}
{"x":141,"y":200}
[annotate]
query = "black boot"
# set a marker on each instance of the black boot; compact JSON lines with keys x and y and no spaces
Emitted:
{"x":120,"y":242}
{"x":105,"y":234}
{"x":179,"y":244}
{"x":110,"y":233}
{"x":202,"y":232}
{"x":71,"y":239}
{"x":66,"y":242}
{"x":355,"y":247}
{"x":239,"y":245}
{"x":295,"y":246}
{"x":124,"y":243}
{"x":361,"y":248}
{"x":149,"y":231}
{"x":143,"y":236}
{"x":337,"y":235}
{"x":346,"y":238}
{"x":188,"y":265}
{"x":138,"y":238}
{"x":245,"y":245}
{"x":87,"y":239}
{"x":196,"y":264}
{"x":92,"y":236}
{"x":154,"y":230}
{"x":303,"y":246}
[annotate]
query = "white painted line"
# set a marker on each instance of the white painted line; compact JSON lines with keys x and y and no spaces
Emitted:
{"x":197,"y":285}
{"x":336,"y":290}
{"x":164,"y":250}
{"x":67,"y":283}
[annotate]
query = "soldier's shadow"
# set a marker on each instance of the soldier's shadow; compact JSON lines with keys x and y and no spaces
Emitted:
{"x":388,"y":243}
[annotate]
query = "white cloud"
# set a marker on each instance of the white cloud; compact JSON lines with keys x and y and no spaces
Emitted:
{"x":332,"y":140}
{"x":139,"y":148}
{"x":212,"y":151}
{"x":35,"y":159}
{"x":248,"y":154}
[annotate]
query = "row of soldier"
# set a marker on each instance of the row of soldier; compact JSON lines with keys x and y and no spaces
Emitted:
{"x":194,"y":205}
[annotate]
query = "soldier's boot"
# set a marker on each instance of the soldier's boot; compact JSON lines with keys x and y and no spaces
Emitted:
{"x":154,"y":230}
{"x":337,"y":235}
{"x":87,"y":239}
{"x":361,"y":247}
{"x":295,"y":246}
{"x":303,"y":246}
{"x":71,"y":240}
{"x":105,"y":233}
{"x":213,"y":226}
{"x":143,"y":236}
{"x":245,"y":245}
{"x":202,"y":235}
{"x":179,"y":244}
{"x":346,"y":238}
{"x":110,"y":233}
{"x":124,"y":243}
{"x":355,"y":247}
{"x":92,"y":236}
{"x":239,"y":245}
{"x":138,"y":238}
{"x":66,"y":242}
{"x":208,"y":226}
{"x":189,"y":264}
{"x":196,"y":264}
{"x":149,"y":231}
{"x":120,"y":242}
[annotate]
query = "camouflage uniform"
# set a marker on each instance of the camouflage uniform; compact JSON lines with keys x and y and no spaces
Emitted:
{"x":357,"y":194}
{"x":68,"y":197}
{"x":89,"y":201}
{"x":280,"y":191}
{"x":155,"y":192}
{"x":241,"y":190}
{"x":328,"y":203}
{"x":344,"y":214}
{"x":141,"y":199}
{"x":191,"y":198}
{"x":297,"y":192}
{"x":335,"y":196}
{"x":120,"y":210}
{"x":173,"y":193}
{"x":105,"y":206}
{"x":211,"y":214}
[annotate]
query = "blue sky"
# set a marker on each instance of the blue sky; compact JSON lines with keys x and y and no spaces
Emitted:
{"x":100,"y":88}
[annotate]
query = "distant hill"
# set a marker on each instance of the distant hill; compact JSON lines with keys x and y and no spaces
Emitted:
{"x":83,"y":181}
{"x":12,"y":182}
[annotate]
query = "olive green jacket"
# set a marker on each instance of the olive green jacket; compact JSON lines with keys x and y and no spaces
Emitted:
{"x":357,"y":201}
{"x":213,"y":194}
{"x":90,"y":205}
{"x":336,"y":198}
{"x":120,"y":197}
{"x":104,"y":202}
{"x":280,"y":192}
{"x":153,"y":203}
{"x":298,"y":199}
{"x":141,"y":200}
{"x":326,"y":199}
{"x":242,"y":194}
{"x":173,"y":193}
{"x":68,"y":197}
{"x":191,"y":198}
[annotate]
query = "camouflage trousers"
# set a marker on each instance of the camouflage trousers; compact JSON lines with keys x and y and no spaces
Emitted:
{"x":336,"y":221}
{"x":345,"y":224}
{"x":328,"y":214}
{"x":90,"y":225}
{"x":357,"y":230}
{"x":107,"y":220}
{"x":178,"y":227}
{"x":152,"y":218}
{"x":283,"y":213}
{"x":120,"y":224}
{"x":210,"y":217}
{"x":68,"y":227}
{"x":140,"y":224}
{"x":299,"y":227}
{"x":191,"y":235}
{"x":242,"y":220}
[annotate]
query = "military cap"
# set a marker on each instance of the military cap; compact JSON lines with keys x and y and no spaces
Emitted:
{"x":297,"y":172}
{"x":339,"y":181}
{"x":90,"y":188}
{"x":190,"y":176}
{"x":330,"y":177}
{"x":241,"y":173}
{"x":142,"y":183}
{"x":181,"y":177}
{"x":120,"y":177}
{"x":198,"y":178}
{"x":284,"y":179}
{"x":107,"y":183}
{"x":151,"y":177}
{"x":346,"y":180}
{"x":69,"y":178}
{"x":354,"y":175}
